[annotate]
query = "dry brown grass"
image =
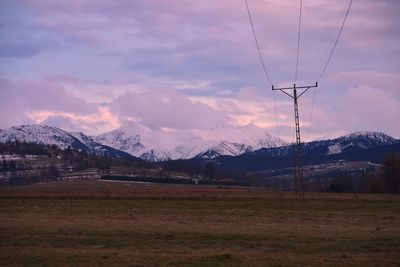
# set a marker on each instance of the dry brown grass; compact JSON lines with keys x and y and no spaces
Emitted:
{"x":99,"y":223}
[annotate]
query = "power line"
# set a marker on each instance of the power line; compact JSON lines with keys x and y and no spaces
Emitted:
{"x":263,"y":66}
{"x":298,"y":178}
{"x":276,"y":118}
{"x":258,"y":47}
{"x":336,"y":42}
{"x":298,"y":42}
{"x":327,"y":62}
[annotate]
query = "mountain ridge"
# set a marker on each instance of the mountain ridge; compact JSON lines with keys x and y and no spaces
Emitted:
{"x":364,"y":146}
{"x":49,"y":135}
{"x":160,"y":145}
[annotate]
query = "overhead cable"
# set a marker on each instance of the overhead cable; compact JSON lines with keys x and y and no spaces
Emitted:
{"x":328,"y":60}
{"x":298,"y":41}
{"x":336,"y":42}
{"x":258,"y":47}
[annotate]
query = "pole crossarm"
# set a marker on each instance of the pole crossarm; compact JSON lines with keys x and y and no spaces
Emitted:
{"x":283,"y":89}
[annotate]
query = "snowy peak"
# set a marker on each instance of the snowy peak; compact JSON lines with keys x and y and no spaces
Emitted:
{"x":47,"y":135}
{"x":164,"y":144}
{"x":161,"y":144}
{"x":40,"y":134}
{"x":350,"y":146}
{"x":353,"y":141}
{"x":121,"y":140}
{"x":360,"y":140}
{"x":371,"y":137}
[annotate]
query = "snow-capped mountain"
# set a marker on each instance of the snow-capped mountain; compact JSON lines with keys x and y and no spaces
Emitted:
{"x":358,"y":146}
{"x":47,"y":135}
{"x":164,"y":144}
{"x":156,"y":145}
{"x":347,"y":143}
{"x":356,"y":140}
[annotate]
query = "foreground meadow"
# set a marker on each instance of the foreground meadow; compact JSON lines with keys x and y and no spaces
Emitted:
{"x":125,"y":224}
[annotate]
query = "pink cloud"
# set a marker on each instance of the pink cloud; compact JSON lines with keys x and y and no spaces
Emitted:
{"x":170,"y":109}
{"x":191,"y":64}
{"x":20,"y":98}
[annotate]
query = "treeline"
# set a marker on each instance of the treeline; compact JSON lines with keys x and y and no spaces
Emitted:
{"x":79,"y":159}
{"x":19,"y":148}
{"x":54,"y":163}
{"x":386,"y":181}
{"x":26,"y":163}
{"x":208,"y":170}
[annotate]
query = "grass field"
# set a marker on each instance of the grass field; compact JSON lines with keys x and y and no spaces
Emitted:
{"x":103,"y":223}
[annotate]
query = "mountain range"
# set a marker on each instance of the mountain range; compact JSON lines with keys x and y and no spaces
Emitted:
{"x":47,"y":135}
{"x":164,"y":144}
{"x":232,"y":146}
{"x":358,"y":146}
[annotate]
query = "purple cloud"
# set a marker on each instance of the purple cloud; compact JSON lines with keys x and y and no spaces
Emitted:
{"x":23,"y":97}
{"x":204,"y":50}
{"x":165,"y":109}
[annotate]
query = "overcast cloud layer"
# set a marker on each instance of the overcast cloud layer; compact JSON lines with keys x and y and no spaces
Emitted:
{"x":92,"y":66}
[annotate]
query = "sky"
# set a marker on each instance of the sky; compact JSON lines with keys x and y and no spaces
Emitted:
{"x":172,"y":65}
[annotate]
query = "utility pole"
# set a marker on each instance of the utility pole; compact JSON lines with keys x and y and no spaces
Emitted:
{"x":298,"y":182}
